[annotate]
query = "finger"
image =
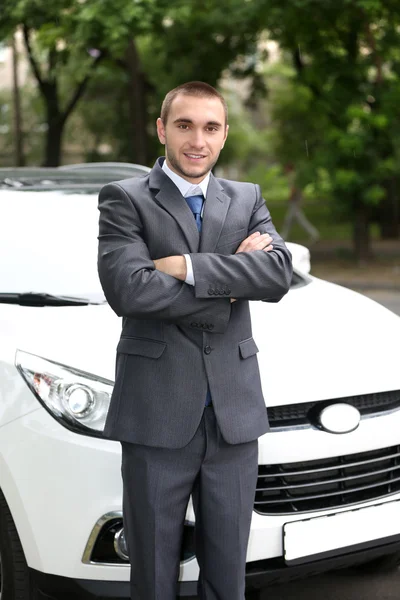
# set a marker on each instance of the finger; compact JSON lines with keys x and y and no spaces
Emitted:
{"x":250,"y":244}
{"x":261,"y":243}
{"x":268,"y":248}
{"x":263,"y":237}
{"x":255,"y":235}
{"x":255,"y":241}
{"x":251,"y":237}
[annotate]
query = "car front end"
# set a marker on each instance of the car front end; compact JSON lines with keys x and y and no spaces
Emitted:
{"x":328,"y":491}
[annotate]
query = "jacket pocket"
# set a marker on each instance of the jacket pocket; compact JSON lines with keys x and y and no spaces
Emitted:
{"x":141,"y":347}
{"x":248,"y":348}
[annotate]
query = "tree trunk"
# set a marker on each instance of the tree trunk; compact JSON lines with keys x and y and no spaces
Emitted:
{"x":361,"y":234}
{"x":137,"y":105}
{"x":55,"y":124}
{"x":18,"y":134}
{"x":53,"y":145}
{"x":389,"y":212}
{"x":56,"y":118}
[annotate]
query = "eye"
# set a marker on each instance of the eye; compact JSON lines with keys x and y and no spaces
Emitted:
{"x":183,"y":126}
{"x":212,"y":129}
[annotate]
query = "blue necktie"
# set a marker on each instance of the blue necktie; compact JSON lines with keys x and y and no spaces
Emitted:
{"x":196,"y":204}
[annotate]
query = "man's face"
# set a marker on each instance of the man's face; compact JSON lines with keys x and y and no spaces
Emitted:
{"x":194,"y":135}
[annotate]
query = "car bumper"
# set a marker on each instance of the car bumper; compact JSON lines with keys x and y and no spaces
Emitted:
{"x":259,"y":574}
{"x":64,"y":588}
{"x":58,"y":484}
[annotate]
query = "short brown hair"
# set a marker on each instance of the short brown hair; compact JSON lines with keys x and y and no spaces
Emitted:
{"x":192,"y":88}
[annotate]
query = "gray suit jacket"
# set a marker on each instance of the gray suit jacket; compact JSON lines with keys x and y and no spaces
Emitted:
{"x":175,"y":337}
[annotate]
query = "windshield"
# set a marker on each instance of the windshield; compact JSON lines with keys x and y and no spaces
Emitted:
{"x":48,"y":243}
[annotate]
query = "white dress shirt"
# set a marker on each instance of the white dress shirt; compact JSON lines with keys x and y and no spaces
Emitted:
{"x":188,"y":189}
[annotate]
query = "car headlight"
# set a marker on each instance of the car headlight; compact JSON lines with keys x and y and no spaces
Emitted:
{"x":78,"y":400}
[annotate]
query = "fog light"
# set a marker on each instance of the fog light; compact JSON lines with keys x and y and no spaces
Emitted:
{"x":120,"y":545}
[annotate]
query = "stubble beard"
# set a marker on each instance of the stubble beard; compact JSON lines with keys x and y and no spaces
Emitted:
{"x":174,"y":162}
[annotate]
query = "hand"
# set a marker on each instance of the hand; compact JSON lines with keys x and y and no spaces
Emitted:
{"x":172,"y":265}
{"x":256,"y":241}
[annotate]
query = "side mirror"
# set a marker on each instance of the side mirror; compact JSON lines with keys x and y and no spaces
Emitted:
{"x":300,"y":257}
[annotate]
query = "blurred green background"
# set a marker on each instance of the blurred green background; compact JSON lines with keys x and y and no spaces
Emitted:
{"x":313,"y":90}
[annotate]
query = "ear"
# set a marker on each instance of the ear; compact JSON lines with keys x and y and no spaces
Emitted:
{"x":161,"y":131}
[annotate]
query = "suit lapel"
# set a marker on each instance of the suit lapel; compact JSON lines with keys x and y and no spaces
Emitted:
{"x":170,"y":198}
{"x":216,"y":208}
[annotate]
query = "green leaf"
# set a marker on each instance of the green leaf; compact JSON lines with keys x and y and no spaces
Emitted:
{"x":373,"y":195}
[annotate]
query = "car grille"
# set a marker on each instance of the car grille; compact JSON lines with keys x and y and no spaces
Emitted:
{"x":327,"y":483}
{"x":294,"y":415}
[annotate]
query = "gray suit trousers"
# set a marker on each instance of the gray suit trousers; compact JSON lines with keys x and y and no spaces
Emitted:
{"x":157,"y":485}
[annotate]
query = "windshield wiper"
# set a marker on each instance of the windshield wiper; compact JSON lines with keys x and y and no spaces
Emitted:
{"x":11,"y":182}
{"x":42,"y":299}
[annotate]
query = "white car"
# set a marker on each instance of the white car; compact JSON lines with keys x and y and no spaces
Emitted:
{"x":328,"y":492}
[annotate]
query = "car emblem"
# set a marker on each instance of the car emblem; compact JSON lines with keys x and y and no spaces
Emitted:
{"x":339,"y":418}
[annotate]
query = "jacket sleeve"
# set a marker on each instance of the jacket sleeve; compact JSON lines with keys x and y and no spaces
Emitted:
{"x":132,"y":285}
{"x":257,"y":275}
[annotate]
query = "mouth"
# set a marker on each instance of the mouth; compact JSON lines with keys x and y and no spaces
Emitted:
{"x":194,"y":157}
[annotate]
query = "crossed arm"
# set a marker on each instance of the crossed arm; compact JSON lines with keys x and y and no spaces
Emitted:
{"x":175,"y":266}
{"x":138,"y":287}
{"x":134,"y":288}
{"x":261,"y":268}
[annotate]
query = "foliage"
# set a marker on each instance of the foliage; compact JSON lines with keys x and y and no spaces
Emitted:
{"x":197,"y":41}
{"x":34,"y":126}
{"x":66,"y":41}
{"x":336,"y":111}
{"x":329,"y":108}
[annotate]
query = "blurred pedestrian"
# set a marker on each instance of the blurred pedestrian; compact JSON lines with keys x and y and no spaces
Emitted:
{"x":295,"y":212}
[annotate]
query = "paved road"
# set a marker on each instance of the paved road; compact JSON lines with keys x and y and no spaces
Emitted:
{"x":345,"y":585}
{"x":390,"y":299}
{"x":339,"y":586}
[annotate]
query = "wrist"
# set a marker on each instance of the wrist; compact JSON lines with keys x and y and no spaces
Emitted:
{"x":181,"y":268}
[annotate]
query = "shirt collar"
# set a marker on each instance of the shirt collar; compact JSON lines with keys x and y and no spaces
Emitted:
{"x":185,"y":187}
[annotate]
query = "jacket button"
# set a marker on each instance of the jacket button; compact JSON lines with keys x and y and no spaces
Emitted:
{"x":194,"y":324}
{"x":227,"y":291}
{"x":210,"y":292}
{"x":211,"y":326}
{"x":207,"y":350}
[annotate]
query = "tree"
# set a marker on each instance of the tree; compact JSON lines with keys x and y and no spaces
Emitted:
{"x":65,"y":41}
{"x":159,"y":43}
{"x":346,"y":60}
{"x":18,"y":130}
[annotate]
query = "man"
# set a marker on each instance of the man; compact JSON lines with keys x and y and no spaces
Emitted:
{"x":180,"y":255}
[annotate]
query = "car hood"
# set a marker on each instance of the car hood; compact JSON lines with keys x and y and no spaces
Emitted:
{"x":321,"y":341}
{"x":84,"y":337}
{"x":324,"y":341}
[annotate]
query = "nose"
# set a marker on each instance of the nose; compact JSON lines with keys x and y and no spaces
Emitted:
{"x":197,"y":139}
